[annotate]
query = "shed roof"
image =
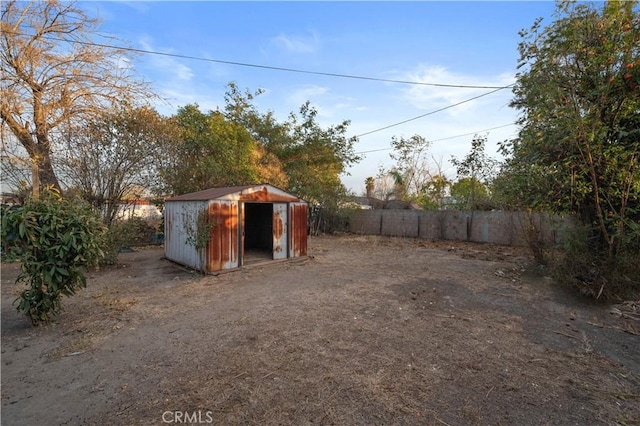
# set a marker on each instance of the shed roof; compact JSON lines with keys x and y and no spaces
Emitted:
{"x":255,"y":192}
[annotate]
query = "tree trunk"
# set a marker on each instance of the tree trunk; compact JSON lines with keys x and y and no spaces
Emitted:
{"x":47,"y":176}
{"x":39,"y":151}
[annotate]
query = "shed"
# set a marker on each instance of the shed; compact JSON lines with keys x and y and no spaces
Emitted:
{"x":226,"y":228}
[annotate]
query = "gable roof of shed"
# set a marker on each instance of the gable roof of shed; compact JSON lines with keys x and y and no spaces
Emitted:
{"x":213,"y":193}
{"x":209,"y":194}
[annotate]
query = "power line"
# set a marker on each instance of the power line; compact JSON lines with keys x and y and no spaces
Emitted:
{"x":431,"y":112}
{"x":495,"y":88}
{"x":268,"y":67}
{"x":441,"y":139}
{"x":144,"y":51}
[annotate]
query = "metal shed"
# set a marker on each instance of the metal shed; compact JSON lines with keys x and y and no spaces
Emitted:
{"x":226,"y":228}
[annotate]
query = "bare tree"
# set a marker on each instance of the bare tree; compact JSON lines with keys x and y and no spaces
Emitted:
{"x":437,"y":187}
{"x":54,"y":74}
{"x":115,"y":156}
{"x":412,"y":170}
{"x":385,"y":185}
{"x":416,"y":176}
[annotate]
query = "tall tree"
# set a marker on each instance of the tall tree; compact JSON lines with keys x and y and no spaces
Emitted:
{"x":416,"y":176}
{"x":313,"y":157}
{"x":316,"y":156}
{"x":412,"y":164}
{"x":477,"y":169}
{"x":213,"y":151}
{"x":370,"y":186}
{"x":436,"y":190}
{"x":469,"y":193}
{"x":53,"y":75}
{"x":579,"y":144}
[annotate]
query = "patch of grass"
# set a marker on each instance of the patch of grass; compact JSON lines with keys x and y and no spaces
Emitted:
{"x":111,"y":299}
{"x":120,"y":304}
{"x":75,"y":346}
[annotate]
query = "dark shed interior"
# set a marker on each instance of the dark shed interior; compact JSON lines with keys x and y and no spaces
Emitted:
{"x":258,"y":230}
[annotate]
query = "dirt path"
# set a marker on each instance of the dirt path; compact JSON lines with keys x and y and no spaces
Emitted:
{"x":367,"y":331}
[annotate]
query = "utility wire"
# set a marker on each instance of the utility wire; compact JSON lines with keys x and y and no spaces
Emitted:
{"x":151,"y":52}
{"x":431,"y":112}
{"x":441,"y":139}
{"x":268,"y":67}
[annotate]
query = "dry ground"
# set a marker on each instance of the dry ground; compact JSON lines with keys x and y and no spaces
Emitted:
{"x":367,"y":331}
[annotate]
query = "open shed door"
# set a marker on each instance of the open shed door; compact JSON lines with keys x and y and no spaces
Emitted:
{"x":297,"y":229}
{"x":280,"y":230}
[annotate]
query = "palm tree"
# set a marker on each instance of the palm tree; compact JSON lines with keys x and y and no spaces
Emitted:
{"x":370,"y":185}
{"x":399,"y":187}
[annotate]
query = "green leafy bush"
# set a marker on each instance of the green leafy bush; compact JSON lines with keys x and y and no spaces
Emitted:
{"x":126,"y":233}
{"x":55,"y":240}
{"x":583,"y":263}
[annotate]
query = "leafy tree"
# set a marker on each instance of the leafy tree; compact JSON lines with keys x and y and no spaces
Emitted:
{"x":213,"y":151}
{"x":400,"y":190}
{"x":415,"y":177}
{"x":53,"y":75}
{"x":114,"y":156}
{"x":436,"y":191}
{"x":316,"y":156}
{"x":476,"y":171}
{"x":577,"y":151}
{"x":470,"y":193}
{"x":55,"y":240}
{"x":312,"y":157}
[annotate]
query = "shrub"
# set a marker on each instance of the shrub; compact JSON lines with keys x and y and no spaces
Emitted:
{"x":126,"y":233}
{"x":328,"y":220}
{"x":55,"y":240}
{"x":584,"y":263}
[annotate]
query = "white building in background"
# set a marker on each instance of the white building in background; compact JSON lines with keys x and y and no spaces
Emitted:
{"x":142,"y":209}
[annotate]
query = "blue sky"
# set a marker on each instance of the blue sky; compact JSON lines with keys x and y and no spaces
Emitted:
{"x":460,"y":43}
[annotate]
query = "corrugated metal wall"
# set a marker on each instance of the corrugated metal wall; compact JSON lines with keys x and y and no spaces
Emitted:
{"x":222,"y":252}
{"x":298,"y":229}
{"x":180,"y":221}
{"x":225,"y":245}
{"x":280,"y":225}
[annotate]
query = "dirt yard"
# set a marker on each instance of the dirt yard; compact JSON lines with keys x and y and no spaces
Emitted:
{"x":366,"y":331}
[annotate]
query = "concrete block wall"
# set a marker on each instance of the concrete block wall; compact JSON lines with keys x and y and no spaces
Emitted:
{"x":404,"y":223}
{"x":432,"y":225}
{"x":496,"y":227}
{"x":367,"y":222}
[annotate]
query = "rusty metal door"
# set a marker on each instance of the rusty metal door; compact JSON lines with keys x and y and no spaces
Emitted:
{"x":280,"y":230}
{"x":297,"y":229}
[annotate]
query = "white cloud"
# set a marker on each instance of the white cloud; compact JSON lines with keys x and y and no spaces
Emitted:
{"x":435,"y":97}
{"x":174,"y":81}
{"x":165,"y":64}
{"x":179,"y":96}
{"x":122,"y":62}
{"x":307,"y":93}
{"x":333,"y":107}
{"x":183,"y":72}
{"x":138,"y":6}
{"x":297,"y":44}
